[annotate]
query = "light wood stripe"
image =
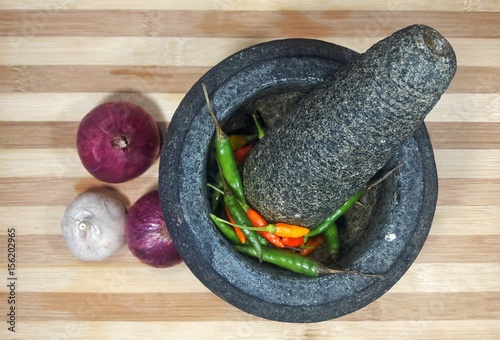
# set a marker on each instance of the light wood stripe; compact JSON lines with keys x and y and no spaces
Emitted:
{"x":464,"y":164}
{"x":172,"y":79}
{"x":253,"y":327}
{"x":27,"y":107}
{"x":71,"y":107}
{"x":466,"y":220}
{"x":65,"y":163}
{"x":187,"y":51}
{"x":29,"y":191}
{"x":452,"y":191}
{"x":235,"y":24}
{"x":112,"y":279}
{"x":256,"y":5}
{"x":437,"y":249}
{"x":426,"y":277}
{"x":183,"y":307}
{"x":448,"y":220}
{"x":51,"y":163}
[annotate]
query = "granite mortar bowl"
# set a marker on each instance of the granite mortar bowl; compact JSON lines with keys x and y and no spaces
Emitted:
{"x":383,"y":237}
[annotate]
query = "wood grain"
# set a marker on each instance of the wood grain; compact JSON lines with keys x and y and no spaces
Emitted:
{"x":59,"y":59}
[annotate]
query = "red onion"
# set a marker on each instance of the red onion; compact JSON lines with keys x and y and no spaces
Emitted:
{"x":147,"y":235}
{"x":118,"y":141}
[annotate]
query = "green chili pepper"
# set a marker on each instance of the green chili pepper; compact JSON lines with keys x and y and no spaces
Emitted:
{"x":297,"y":263}
{"x":320,"y":228}
{"x":240,"y":217}
{"x":225,"y":156}
{"x":226,"y":230}
{"x":332,"y":240}
{"x":285,"y":259}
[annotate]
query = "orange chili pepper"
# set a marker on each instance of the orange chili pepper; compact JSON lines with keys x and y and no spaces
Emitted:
{"x":241,"y":236}
{"x":293,"y":242}
{"x":288,"y":230}
{"x":241,"y":154}
{"x":311,"y":244}
{"x":259,"y":221}
{"x":280,"y":229}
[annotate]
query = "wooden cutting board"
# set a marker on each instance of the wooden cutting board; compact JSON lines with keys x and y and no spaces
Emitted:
{"x":59,"y":59}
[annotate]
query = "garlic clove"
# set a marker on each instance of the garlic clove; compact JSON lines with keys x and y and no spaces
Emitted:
{"x":93,"y":226}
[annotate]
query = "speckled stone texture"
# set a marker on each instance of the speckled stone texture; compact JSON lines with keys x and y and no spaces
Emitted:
{"x":330,"y":144}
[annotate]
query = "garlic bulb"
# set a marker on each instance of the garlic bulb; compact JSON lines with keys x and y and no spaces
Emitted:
{"x":93,"y":226}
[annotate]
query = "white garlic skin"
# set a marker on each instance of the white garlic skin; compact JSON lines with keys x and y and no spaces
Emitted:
{"x":93,"y":226}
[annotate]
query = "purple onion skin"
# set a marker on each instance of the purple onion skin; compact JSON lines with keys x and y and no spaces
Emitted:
{"x":147,"y":235}
{"x":118,"y":141}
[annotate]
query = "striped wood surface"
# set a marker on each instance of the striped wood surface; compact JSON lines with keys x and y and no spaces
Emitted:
{"x":60,"y":58}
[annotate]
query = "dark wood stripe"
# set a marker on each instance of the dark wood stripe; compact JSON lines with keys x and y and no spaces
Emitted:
{"x":100,"y":78}
{"x":453,"y":135}
{"x":469,"y":192}
{"x":43,"y":135}
{"x":204,"y":307}
{"x":231,"y":24}
{"x":58,"y":135}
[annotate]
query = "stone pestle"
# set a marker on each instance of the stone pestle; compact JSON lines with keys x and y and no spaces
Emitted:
{"x":344,"y":131}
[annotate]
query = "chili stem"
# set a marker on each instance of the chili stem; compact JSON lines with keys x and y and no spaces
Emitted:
{"x":260,"y":130}
{"x":381,"y":179}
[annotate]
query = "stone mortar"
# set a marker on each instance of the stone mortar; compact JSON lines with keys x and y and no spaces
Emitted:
{"x":400,"y":216}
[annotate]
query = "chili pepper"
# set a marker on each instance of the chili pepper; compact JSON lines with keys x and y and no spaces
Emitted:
{"x":311,"y":244}
{"x":259,"y":221}
{"x":239,"y":233}
{"x":288,"y":230}
{"x":226,"y":230}
{"x":243,"y":222}
{"x":256,"y":218}
{"x":293,"y":242}
{"x":260,"y":130}
{"x":332,"y":240}
{"x":241,"y":154}
{"x":297,"y":263}
{"x":239,"y":141}
{"x":320,"y":228}
{"x":225,"y":156}
{"x":280,"y":229}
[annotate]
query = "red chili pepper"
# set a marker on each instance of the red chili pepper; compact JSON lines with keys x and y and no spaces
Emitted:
{"x":311,"y":244}
{"x":259,"y":221}
{"x":241,"y":236}
{"x":293,"y":242}
{"x":241,"y":154}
